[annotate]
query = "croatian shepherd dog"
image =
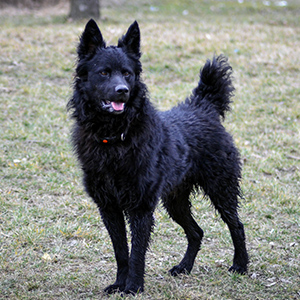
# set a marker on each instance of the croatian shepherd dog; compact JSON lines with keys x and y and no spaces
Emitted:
{"x":132,"y":155}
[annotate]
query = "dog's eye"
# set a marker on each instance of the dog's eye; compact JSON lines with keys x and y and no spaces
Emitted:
{"x":126,"y":74}
{"x":104,"y":73}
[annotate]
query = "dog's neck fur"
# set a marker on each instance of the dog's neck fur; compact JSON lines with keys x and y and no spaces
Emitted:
{"x":114,"y":133}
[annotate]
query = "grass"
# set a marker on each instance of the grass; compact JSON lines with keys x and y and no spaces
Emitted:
{"x":53,"y":244}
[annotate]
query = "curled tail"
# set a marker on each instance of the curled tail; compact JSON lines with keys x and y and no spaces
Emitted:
{"x":215,"y":85}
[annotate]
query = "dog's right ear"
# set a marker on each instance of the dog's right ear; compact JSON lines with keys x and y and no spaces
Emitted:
{"x":131,"y":40}
{"x":90,"y":40}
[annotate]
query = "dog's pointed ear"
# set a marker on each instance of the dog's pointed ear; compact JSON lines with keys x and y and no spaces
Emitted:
{"x":90,"y":40}
{"x":131,"y":40}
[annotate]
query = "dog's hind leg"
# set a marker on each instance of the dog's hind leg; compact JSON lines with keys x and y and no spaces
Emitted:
{"x":113,"y":219}
{"x":240,"y":259}
{"x":179,"y":208}
{"x":229,"y":215}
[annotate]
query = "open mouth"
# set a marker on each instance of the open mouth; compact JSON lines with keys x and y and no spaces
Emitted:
{"x":113,"y":107}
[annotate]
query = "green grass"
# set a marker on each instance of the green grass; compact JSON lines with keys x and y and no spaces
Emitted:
{"x":53,"y":244}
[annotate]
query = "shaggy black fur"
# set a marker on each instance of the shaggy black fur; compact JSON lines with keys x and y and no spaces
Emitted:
{"x":133,"y":155}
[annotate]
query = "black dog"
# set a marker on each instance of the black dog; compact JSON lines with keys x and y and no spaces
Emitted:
{"x":132,"y":155}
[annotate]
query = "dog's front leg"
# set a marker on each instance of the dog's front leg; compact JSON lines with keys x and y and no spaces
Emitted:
{"x":113,"y":219}
{"x":141,"y":224}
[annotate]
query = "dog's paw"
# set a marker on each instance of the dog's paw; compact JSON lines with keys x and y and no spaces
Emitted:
{"x":133,"y":289}
{"x":113,"y":288}
{"x":179,"y":270}
{"x":238,"y":269}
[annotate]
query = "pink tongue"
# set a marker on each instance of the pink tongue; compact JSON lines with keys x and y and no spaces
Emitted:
{"x":117,"y":105}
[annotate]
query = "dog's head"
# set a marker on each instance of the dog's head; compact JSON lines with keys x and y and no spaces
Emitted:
{"x":107,"y":75}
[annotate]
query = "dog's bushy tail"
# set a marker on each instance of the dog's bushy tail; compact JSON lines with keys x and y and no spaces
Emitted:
{"x":215,"y":85}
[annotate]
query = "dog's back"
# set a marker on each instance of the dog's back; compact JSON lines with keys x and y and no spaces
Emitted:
{"x":194,"y":129}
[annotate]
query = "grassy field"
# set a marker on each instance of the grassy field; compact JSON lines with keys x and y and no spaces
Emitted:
{"x":53,"y":244}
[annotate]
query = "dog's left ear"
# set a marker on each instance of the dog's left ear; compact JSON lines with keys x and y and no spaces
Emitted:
{"x":90,"y":40}
{"x":131,"y":40}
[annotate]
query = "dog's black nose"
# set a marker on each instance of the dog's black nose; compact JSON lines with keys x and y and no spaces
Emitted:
{"x":121,"y":89}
